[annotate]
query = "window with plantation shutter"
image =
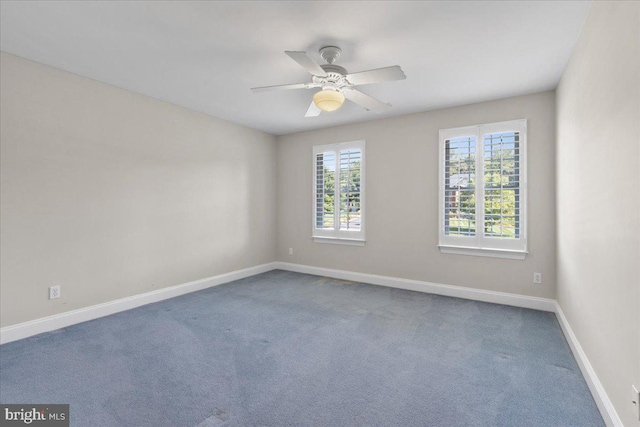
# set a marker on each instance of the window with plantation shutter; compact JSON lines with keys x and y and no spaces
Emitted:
{"x":483,"y":190}
{"x":338,"y":193}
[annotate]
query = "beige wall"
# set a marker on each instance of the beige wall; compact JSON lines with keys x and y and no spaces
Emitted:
{"x":598,"y":162}
{"x":402,"y":199}
{"x":110,"y":194}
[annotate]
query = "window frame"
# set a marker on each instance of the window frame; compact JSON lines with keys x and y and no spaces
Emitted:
{"x":336,"y":235}
{"x":480,"y":245}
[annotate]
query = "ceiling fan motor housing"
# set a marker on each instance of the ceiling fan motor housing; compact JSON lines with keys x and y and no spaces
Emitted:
{"x":335,"y":78}
{"x":332,"y":68}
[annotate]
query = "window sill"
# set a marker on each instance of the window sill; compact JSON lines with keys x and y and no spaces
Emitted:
{"x":338,"y":241}
{"x":486,"y":252}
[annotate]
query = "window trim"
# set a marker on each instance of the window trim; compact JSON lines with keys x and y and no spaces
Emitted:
{"x":479,"y":245}
{"x":337,"y":236}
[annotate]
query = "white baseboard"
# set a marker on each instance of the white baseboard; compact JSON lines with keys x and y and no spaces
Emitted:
{"x":62,"y":320}
{"x":605,"y":406}
{"x":544,"y":304}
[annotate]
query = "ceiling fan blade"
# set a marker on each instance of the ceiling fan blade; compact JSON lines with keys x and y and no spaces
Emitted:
{"x":313,"y":110}
{"x":307,"y":63}
{"x":376,"y":76}
{"x":365,"y":101}
{"x":285,"y":87}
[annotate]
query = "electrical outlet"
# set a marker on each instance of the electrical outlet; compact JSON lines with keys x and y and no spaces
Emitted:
{"x":54,"y":292}
{"x":537,"y":278}
{"x":635,"y":399}
{"x":290,"y":251}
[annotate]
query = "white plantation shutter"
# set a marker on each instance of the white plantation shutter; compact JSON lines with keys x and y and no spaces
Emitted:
{"x":338,"y":210}
{"x":325,"y":190}
{"x":350,"y":160}
{"x":501,"y":153}
{"x":483,"y":190}
{"x":459,"y":186}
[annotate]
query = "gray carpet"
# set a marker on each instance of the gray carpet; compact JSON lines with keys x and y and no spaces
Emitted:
{"x":285,"y":349}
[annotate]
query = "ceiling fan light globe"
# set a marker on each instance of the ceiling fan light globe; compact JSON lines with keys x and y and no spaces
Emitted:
{"x":328,"y":100}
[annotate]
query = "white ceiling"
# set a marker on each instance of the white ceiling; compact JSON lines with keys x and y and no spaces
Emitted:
{"x":206,"y":55}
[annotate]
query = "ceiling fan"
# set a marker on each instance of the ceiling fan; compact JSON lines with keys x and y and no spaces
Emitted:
{"x":336,"y":83}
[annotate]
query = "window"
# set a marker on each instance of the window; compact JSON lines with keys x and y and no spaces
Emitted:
{"x":483,"y":190}
{"x":338,"y":193}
